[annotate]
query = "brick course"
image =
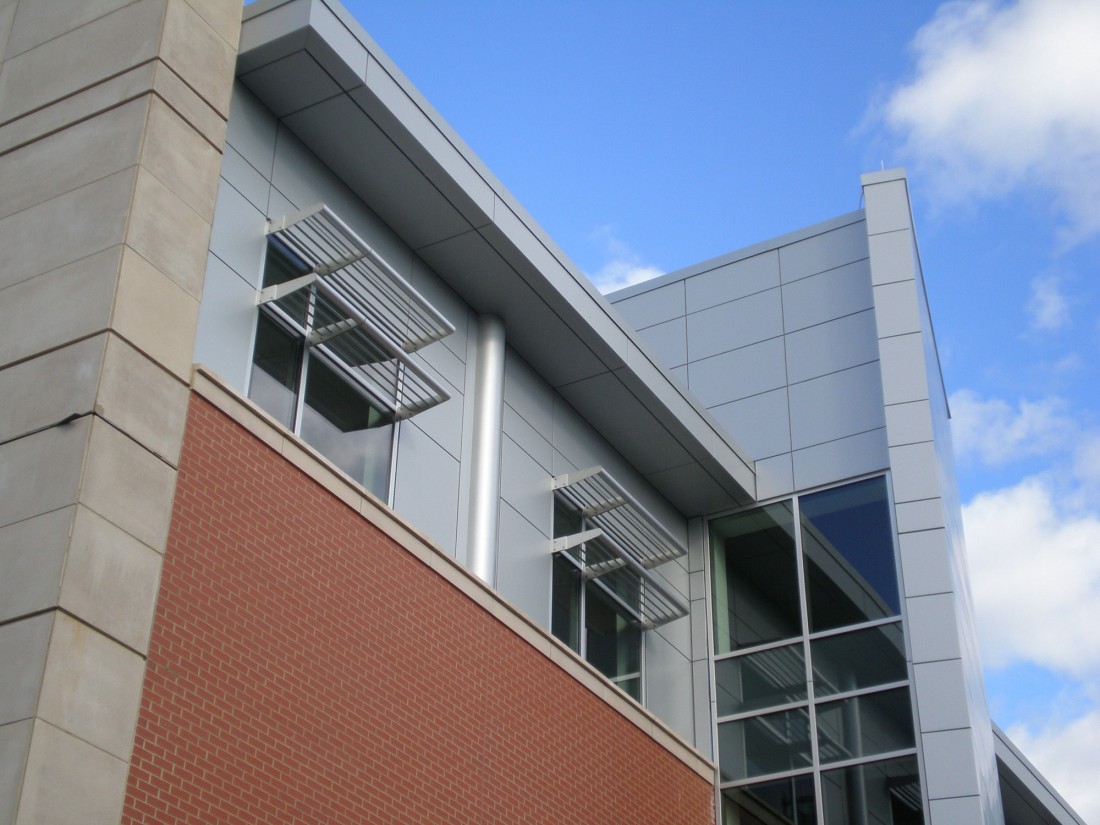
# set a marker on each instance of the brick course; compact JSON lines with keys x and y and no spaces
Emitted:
{"x":305,"y":668}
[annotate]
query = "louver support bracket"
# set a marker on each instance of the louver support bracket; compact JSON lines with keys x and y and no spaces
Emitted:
{"x":355,"y":310}
{"x":622,"y":542}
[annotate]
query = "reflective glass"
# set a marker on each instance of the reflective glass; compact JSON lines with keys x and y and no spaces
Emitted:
{"x":565,"y":617}
{"x":613,"y":643}
{"x":848,"y":549}
{"x":865,"y":725}
{"x":567,"y":521}
{"x":760,"y":680}
{"x":280,"y":266}
{"x":631,"y":687}
{"x":765,"y":744}
{"x":865,"y":658}
{"x":778,"y":802}
{"x":880,"y":792}
{"x":346,"y":428}
{"x":276,"y":366}
{"x":755,"y":578}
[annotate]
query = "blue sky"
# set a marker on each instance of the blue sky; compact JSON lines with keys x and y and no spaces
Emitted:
{"x":648,"y":136}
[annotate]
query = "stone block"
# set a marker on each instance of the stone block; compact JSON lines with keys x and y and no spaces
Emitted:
{"x":91,"y":687}
{"x":41,"y":391}
{"x":181,"y":159}
{"x":156,"y":315}
{"x":38,"y":22}
{"x":23,"y":646}
{"x":41,"y":472}
{"x":110,"y":580}
{"x":142,"y":399}
{"x":15,"y":742}
{"x":94,"y":781}
{"x":71,"y":158}
{"x":78,"y":58}
{"x":168,"y":233}
{"x":223,"y":16}
{"x":199,"y":54}
{"x":68,"y":303}
{"x":65,"y":229}
{"x":32,"y":556}
{"x":127,"y":485}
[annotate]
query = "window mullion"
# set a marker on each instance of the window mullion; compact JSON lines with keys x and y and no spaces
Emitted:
{"x":815,"y":755}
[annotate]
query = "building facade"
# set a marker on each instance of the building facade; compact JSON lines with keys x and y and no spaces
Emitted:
{"x":334,"y":492}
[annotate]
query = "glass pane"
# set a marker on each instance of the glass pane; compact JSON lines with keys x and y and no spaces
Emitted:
{"x":779,"y":802}
{"x":848,"y":548}
{"x":760,"y":680}
{"x":565,"y":616}
{"x":622,"y":582}
{"x":755,"y":578}
{"x":346,"y":428}
{"x":276,"y":362}
{"x":865,"y":725}
{"x":281,"y":265}
{"x":764,"y":744}
{"x":875,"y":656}
{"x":881,"y":792}
{"x":613,"y":643}
{"x":631,"y":687}
{"x":567,"y":521}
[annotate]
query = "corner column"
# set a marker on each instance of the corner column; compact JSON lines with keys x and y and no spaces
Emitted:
{"x":114,"y":117}
{"x":955,"y":732}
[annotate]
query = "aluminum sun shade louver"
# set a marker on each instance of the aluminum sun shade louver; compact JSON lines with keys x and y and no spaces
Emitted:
{"x":357,"y":310}
{"x":630,"y":542}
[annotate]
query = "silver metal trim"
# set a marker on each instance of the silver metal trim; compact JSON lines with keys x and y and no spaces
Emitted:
{"x":488,"y":410}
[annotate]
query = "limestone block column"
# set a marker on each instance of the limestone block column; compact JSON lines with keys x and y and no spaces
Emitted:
{"x":112,"y":123}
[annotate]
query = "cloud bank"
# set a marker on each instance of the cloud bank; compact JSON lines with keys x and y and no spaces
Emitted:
{"x":1034,"y":552}
{"x":995,"y":432}
{"x":1007,"y":96}
{"x":623,"y":267}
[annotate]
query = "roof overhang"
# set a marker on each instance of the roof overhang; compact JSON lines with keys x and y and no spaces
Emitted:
{"x":316,"y":69}
{"x":1027,"y":797}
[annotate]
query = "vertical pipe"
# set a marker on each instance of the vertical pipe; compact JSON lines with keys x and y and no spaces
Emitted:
{"x":481,"y":547}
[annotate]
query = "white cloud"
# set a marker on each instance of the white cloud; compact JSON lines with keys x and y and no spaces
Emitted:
{"x":1066,"y":754}
{"x":1006,"y":95}
{"x":1033,"y":550}
{"x":1035,"y":573}
{"x":623,"y":266}
{"x":1048,"y":307}
{"x":996,"y":432}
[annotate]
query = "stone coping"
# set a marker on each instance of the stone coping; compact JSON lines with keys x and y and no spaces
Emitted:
{"x":218,"y":392}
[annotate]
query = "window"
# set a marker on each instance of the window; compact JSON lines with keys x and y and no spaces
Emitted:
{"x":591,"y":618}
{"x":331,"y":356}
{"x":815,"y":719}
{"x":301,"y":388}
{"x":603,"y":593}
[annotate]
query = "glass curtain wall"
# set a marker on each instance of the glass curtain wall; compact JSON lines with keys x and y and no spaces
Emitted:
{"x":815,"y":720}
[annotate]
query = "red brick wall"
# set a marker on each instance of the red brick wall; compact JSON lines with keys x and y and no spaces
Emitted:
{"x":304,"y":668}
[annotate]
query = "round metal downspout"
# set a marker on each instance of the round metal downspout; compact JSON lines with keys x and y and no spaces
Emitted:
{"x":487,"y":436}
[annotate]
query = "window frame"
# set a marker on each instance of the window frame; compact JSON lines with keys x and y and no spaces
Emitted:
{"x":805,"y":639}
